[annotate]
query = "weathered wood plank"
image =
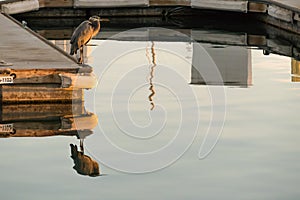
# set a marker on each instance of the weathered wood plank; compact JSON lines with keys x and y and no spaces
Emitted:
{"x":44,"y":93}
{"x":55,"y":3}
{"x":72,"y":126}
{"x":280,"y":47}
{"x":228,"y":38}
{"x":39,"y":111}
{"x":83,"y":122}
{"x":41,"y":120}
{"x":44,"y":133}
{"x":293,"y":5}
{"x":280,"y":13}
{"x":282,"y":24}
{"x":20,"y":6}
{"x":297,"y":17}
{"x":65,"y":80}
{"x":257,"y":7}
{"x":109,"y":3}
{"x":170,"y":2}
{"x":228,"y":5}
{"x":48,"y":79}
{"x":256,"y":40}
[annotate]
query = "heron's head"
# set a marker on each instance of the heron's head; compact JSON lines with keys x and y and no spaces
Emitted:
{"x":97,"y":18}
{"x":94,"y":18}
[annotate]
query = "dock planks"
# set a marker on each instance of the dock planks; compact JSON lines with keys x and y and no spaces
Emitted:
{"x":25,"y":50}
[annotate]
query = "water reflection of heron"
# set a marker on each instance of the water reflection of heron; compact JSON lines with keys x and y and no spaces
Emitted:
{"x":83,"y":34}
{"x":83,"y":164}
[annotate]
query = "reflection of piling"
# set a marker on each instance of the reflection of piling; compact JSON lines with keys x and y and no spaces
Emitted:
{"x":295,"y":70}
{"x":237,"y":72}
{"x":151,"y":88}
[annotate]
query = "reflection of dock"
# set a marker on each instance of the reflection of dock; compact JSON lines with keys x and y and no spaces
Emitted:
{"x":34,"y":70}
{"x":45,"y":120}
{"x":40,"y":120}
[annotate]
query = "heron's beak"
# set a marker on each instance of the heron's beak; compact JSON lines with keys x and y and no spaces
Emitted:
{"x":104,"y":20}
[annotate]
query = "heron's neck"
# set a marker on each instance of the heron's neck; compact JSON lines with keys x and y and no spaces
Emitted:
{"x":96,"y":25}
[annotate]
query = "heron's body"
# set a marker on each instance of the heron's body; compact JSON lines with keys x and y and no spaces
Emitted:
{"x":83,"y":34}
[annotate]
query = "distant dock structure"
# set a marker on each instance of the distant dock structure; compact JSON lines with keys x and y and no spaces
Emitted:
{"x":282,"y":13}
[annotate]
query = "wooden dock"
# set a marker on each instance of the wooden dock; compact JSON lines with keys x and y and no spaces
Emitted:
{"x":34,"y":70}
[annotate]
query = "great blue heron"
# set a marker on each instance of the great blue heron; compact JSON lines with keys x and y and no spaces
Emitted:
{"x":83,"y":33}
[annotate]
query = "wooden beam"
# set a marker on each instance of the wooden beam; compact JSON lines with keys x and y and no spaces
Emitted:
{"x":43,"y":93}
{"x":257,"y":7}
{"x":109,"y":3}
{"x":280,"y":13}
{"x":256,"y":40}
{"x":48,"y":79}
{"x":170,"y":3}
{"x":56,"y":3}
{"x":227,"y":5}
{"x":20,"y":6}
{"x":25,"y":112}
{"x":44,"y":133}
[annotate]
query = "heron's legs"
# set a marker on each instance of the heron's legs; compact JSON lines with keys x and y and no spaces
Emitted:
{"x":81,"y":145}
{"x":80,"y":60}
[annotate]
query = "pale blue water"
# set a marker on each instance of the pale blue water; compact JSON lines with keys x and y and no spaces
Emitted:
{"x":256,"y":157}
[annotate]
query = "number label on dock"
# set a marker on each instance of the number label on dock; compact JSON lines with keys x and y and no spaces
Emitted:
{"x":6,"y":128}
{"x":6,"y":80}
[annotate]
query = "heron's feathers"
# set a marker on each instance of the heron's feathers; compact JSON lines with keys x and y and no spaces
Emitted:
{"x":81,"y":31}
{"x":83,"y":34}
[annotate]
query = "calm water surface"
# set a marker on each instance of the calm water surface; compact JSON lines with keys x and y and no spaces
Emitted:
{"x":256,"y":157}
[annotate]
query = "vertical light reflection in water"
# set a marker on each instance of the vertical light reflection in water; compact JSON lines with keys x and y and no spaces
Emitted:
{"x":152,"y":68}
